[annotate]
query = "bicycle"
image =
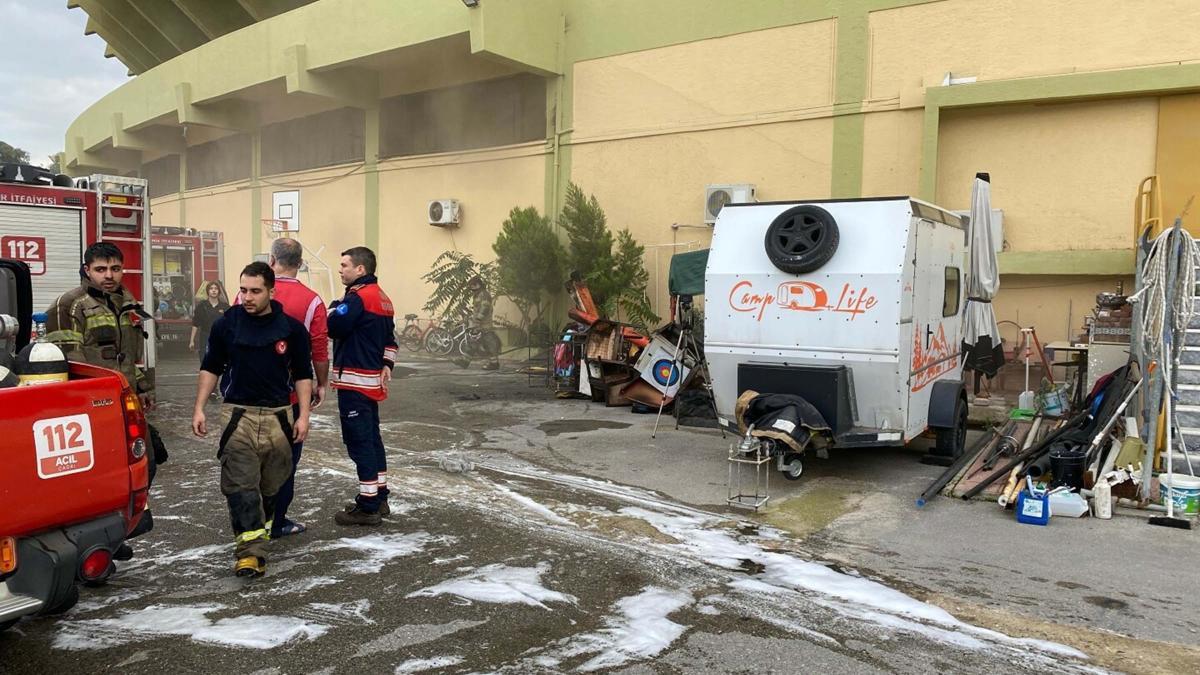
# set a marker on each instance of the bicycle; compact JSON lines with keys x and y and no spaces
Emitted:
{"x":412,"y":336}
{"x":467,"y":340}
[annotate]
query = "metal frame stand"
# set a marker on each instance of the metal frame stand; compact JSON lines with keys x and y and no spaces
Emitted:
{"x":741,"y":459}
{"x":685,"y":333}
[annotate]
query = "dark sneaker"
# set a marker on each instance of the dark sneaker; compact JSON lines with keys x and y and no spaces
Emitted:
{"x":123,"y":552}
{"x":491,"y":366}
{"x":250,"y":566}
{"x":356,"y":516}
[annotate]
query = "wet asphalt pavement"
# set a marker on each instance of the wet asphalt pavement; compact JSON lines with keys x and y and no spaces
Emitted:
{"x":504,"y":567}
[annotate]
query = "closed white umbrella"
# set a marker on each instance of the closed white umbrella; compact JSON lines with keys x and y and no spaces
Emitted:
{"x":981,"y":347}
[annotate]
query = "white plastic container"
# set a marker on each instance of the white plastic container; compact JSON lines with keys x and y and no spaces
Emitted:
{"x":1067,"y":504}
{"x":1102,"y":499}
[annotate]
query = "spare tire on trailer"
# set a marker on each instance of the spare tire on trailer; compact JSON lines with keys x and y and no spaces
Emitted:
{"x":802,"y":239}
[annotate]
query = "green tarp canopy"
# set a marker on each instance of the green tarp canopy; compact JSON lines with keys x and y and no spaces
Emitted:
{"x":687,"y":273}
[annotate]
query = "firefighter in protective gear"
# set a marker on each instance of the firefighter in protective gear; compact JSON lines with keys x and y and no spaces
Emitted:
{"x":100,"y":322}
{"x":265,"y":355}
{"x":482,"y":308}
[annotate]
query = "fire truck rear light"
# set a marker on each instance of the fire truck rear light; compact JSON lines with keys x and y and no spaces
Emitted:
{"x":138,"y":449}
{"x":95,"y":564}
{"x":8,"y":555}
{"x":140,"y":499}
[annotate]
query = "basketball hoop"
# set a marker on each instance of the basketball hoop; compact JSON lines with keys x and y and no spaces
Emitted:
{"x":275,"y":227}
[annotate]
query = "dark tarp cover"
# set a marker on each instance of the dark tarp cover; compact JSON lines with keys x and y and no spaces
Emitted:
{"x":687,"y":273}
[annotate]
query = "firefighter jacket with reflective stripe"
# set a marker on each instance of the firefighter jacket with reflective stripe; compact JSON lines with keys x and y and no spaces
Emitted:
{"x":103,"y":329}
{"x":363,"y":327}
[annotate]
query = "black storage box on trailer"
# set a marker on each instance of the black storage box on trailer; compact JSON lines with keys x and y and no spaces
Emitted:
{"x":830,"y":389}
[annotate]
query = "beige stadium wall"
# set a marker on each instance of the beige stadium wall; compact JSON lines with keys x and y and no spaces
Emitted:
{"x":224,"y":209}
{"x":892,"y":153}
{"x":487,"y":183}
{"x":331,"y":221}
{"x":1055,"y":306}
{"x":1064,"y":175}
{"x":653,"y":128}
{"x":914,"y":47}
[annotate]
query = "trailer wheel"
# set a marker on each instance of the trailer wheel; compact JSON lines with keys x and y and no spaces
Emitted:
{"x":951,"y":442}
{"x":791,"y":466}
{"x":802,"y":239}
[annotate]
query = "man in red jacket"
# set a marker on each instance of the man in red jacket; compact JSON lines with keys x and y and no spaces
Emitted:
{"x":363,"y":326}
{"x":304,"y":305}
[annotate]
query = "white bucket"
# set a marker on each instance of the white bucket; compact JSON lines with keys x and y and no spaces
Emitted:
{"x":1185,"y":492}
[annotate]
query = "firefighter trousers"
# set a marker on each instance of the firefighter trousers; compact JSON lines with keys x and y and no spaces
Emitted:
{"x":256,"y":459}
{"x":360,"y":432}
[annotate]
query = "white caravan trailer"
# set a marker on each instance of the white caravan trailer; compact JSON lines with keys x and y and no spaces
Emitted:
{"x":854,"y":305}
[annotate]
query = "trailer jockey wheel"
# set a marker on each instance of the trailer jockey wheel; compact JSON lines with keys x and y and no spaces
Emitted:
{"x":953,"y":441}
{"x":790,"y":466}
{"x":802,"y":239}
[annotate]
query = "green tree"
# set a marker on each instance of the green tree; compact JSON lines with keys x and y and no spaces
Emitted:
{"x":588,"y":237}
{"x":529,"y":262}
{"x":56,"y":162}
{"x":449,"y":275}
{"x":12,"y":155}
{"x":628,"y":297}
{"x":617,"y":279}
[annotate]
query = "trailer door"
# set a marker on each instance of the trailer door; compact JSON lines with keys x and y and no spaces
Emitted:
{"x":937,"y":303}
{"x":50,"y":241}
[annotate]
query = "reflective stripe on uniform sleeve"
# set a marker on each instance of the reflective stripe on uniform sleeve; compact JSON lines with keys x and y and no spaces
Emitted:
{"x":99,"y":321}
{"x":64,"y":337}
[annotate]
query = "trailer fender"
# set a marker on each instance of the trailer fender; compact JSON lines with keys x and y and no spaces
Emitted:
{"x":942,"y":402}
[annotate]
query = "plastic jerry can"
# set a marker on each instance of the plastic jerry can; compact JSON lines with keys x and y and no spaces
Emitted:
{"x":1033,"y":506}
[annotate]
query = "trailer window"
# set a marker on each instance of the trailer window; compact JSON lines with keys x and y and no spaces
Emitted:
{"x":950,"y":292}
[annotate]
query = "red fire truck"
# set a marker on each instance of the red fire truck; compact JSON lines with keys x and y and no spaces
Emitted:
{"x":183,"y":261}
{"x":48,"y":227}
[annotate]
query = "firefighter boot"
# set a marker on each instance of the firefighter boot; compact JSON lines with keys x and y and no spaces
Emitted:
{"x":250,"y":566}
{"x":384,"y":509}
{"x":356,"y":516}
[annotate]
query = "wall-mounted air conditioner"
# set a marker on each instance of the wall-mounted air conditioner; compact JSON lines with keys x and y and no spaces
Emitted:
{"x":717,"y":196}
{"x":444,"y":212}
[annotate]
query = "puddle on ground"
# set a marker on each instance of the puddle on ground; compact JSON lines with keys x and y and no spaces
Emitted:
{"x":1106,"y":603}
{"x":812,"y":510}
{"x":557,"y":427}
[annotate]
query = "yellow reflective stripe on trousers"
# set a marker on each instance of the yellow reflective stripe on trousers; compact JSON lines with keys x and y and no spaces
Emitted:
{"x":64,"y":336}
{"x":251,"y":535}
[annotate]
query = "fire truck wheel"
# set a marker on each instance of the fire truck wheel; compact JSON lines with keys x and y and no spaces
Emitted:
{"x":791,"y":466}
{"x":802,"y":239}
{"x":953,"y":441}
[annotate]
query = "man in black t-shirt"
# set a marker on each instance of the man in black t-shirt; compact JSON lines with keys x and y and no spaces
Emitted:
{"x":263,"y":354}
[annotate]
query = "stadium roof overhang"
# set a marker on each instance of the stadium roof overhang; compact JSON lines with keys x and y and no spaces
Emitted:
{"x":217,"y":64}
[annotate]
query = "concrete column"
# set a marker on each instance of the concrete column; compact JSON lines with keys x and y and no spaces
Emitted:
{"x":183,"y":187}
{"x":256,"y":233}
{"x":371,"y":176}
